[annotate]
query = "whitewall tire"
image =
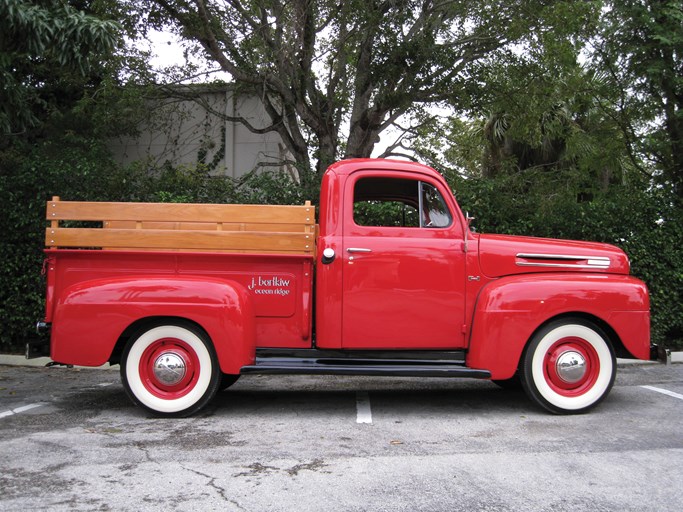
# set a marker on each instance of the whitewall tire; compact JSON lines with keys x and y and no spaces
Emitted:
{"x":171,"y":370}
{"x":569,"y":366}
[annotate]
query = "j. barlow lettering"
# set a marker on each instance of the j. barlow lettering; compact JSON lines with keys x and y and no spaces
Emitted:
{"x":269,"y":286}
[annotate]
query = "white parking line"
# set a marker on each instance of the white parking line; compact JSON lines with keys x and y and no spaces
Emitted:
{"x":664,"y":392}
{"x":19,"y":410}
{"x":363,"y":411}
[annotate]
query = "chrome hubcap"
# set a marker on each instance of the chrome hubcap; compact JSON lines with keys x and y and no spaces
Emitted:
{"x":571,"y":367}
{"x":169,"y":368}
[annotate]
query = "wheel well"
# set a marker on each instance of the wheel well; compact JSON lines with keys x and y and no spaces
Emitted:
{"x":619,"y":349}
{"x":146,"y":323}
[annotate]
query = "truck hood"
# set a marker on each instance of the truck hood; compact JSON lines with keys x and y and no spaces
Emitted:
{"x":502,"y":255}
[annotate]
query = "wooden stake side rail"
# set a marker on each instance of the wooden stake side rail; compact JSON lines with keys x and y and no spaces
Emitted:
{"x":182,"y":226}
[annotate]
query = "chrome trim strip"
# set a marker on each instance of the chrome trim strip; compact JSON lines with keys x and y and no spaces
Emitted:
{"x":561,"y":265}
{"x":600,"y":262}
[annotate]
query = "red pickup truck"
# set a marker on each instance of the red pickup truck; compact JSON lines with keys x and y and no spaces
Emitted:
{"x":186,"y":298}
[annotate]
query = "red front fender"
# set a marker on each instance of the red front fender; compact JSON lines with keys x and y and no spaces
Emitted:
{"x":511,"y":309}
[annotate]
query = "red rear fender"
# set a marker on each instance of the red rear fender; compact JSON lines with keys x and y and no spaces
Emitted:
{"x":91,"y":316}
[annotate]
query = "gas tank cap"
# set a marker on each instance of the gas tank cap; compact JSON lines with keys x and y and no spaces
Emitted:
{"x":328,"y":256}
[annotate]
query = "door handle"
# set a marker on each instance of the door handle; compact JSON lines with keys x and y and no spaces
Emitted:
{"x":358,"y":249}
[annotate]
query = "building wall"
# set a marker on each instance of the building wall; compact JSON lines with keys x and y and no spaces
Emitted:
{"x":187,"y":132}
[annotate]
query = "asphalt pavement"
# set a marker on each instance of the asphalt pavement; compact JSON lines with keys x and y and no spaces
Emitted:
{"x":71,"y":440}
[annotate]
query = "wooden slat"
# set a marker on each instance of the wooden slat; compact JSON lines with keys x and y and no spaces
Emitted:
{"x":182,"y":226}
{"x":179,"y":212}
{"x":179,"y":239}
{"x":209,"y":226}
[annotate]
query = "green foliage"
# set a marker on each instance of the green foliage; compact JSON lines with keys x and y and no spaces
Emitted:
{"x":640,"y":52}
{"x":54,"y":30}
{"x":645,"y":223}
{"x":80,"y":168}
{"x":27,"y":181}
{"x":272,"y":188}
{"x":42,"y":43}
{"x":385,"y":213}
{"x":560,"y":150}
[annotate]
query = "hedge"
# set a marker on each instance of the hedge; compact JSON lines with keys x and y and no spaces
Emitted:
{"x":647,"y":224}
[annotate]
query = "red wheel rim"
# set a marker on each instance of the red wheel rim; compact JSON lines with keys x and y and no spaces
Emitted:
{"x":177,"y":350}
{"x":580,"y":350}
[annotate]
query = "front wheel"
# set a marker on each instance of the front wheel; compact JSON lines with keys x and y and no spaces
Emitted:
{"x":569,"y":366}
{"x":171,"y":370}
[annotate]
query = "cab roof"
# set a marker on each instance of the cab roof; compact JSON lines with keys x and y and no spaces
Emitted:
{"x":346,"y":167}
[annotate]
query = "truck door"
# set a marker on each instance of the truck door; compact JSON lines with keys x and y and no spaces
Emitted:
{"x":404,"y":268}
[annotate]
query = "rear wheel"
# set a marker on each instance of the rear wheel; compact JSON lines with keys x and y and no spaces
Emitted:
{"x":171,"y":370}
{"x":569,"y":366}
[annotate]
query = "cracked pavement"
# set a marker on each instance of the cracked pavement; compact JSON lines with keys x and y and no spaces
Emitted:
{"x":293,"y":443}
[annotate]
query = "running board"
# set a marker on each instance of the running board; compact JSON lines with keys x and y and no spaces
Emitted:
{"x":371,"y":367}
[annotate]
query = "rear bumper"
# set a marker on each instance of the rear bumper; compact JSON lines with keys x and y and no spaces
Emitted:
{"x":661,"y":354}
{"x":40,"y":346}
{"x":43,"y":327}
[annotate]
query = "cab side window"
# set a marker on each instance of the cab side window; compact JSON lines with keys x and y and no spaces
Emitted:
{"x":395,"y":202}
{"x":434,"y":211}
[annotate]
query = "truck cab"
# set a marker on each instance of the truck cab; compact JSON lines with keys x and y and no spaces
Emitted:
{"x":398,"y":277}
